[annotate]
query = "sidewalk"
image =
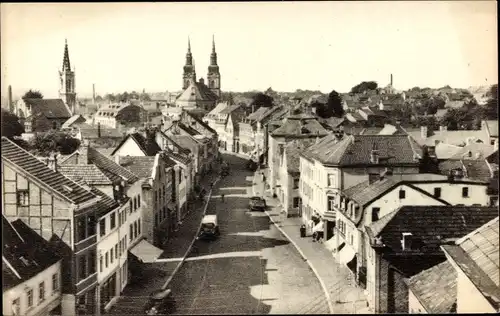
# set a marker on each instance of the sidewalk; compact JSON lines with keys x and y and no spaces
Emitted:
{"x":345,"y":297}
{"x":159,"y":274}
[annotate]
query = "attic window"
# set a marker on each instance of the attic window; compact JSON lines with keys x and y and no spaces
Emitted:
{"x":406,"y":241}
{"x":67,"y":188}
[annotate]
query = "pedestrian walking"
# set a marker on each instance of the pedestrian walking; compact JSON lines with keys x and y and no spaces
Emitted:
{"x":222,"y":197}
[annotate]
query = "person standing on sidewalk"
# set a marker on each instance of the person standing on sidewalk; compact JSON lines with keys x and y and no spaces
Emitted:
{"x":222,"y":197}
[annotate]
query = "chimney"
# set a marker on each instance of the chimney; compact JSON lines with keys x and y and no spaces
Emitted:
{"x":406,"y":241}
{"x":391,"y":80}
{"x":98,"y":129}
{"x":83,"y":157}
{"x":11,"y":105}
{"x":423,"y":132}
{"x":52,"y":162}
{"x":117,"y":159}
{"x":93,"y":93}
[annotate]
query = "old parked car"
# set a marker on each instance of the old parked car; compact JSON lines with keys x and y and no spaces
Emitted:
{"x":209,"y":227}
{"x":257,"y":203}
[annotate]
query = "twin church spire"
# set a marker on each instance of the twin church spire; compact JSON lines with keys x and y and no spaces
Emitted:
{"x":213,"y":76}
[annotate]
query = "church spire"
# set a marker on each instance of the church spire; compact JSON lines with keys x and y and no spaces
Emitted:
{"x":213,"y":55}
{"x":66,"y":64}
{"x":189,"y":56}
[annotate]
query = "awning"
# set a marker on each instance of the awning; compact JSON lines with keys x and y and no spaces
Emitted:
{"x":146,"y":252}
{"x":346,"y":254}
{"x":318,"y":227}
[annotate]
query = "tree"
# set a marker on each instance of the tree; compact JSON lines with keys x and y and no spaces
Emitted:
{"x":54,"y":141}
{"x":490,"y":109}
{"x":450,"y":119}
{"x":32,"y":94}
{"x":333,"y":107}
{"x":364,"y":86}
{"x":261,"y":99}
{"x":10,"y":125}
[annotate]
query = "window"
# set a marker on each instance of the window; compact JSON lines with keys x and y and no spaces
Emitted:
{"x":81,"y":229}
{"x":29,"y":294}
{"x":23,"y":197}
{"x":116,"y":251}
{"x":91,"y":225}
{"x":296,"y":183}
{"x":156,"y":220}
{"x":139,"y":201}
{"x":375,"y":213}
{"x":16,"y":306}
{"x":55,"y":283}
{"x":102,"y":227}
{"x":135,"y":230}
{"x":41,"y":292}
{"x":465,"y":192}
{"x":402,"y":194}
{"x":135,"y":203}
{"x":437,"y":192}
{"x":82,"y":269}
{"x":92,"y":263}
{"x":131,"y":232}
{"x":113,"y":220}
{"x":331,"y":180}
{"x":101,"y":261}
{"x":107,"y":259}
{"x":139,"y":226}
{"x":111,"y":255}
{"x":130,"y":205}
{"x":492,"y":142}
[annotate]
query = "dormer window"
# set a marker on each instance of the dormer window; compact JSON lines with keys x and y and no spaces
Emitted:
{"x":406,"y":241}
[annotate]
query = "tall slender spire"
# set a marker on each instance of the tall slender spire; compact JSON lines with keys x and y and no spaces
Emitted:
{"x":189,"y":56}
{"x":66,"y":64}
{"x":189,"y":46}
{"x":213,"y":55}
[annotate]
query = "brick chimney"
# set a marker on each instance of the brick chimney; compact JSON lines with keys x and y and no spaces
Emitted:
{"x":423,"y":132}
{"x":83,"y":157}
{"x":52,"y":162}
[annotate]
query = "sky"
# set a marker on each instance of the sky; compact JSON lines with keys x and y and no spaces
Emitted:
{"x":284,"y":45}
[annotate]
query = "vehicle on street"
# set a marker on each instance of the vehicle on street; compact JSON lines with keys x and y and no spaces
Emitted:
{"x":257,"y":203}
{"x":161,"y":302}
{"x":209,"y":228}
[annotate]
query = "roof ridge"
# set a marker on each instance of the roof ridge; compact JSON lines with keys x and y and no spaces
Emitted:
{"x":110,"y":160}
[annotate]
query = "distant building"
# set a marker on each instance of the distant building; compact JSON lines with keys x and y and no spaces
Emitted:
{"x":67,"y":83}
{"x":120,"y":114}
{"x":198,"y":94}
{"x":42,"y":115}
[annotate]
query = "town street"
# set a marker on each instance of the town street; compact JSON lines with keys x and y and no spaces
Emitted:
{"x":251,"y":268}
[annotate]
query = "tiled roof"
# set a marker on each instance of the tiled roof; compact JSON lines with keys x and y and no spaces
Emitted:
{"x":141,"y":166}
{"x":446,"y":151}
{"x":91,"y":174}
{"x":301,"y":126}
{"x":201,"y":123}
{"x":458,"y":138}
{"x":364,"y":194}
{"x":432,"y":226}
{"x":371,"y":131}
{"x":72,"y":120}
{"x":181,"y":149}
{"x":334,"y":122}
{"x":354,"y":117}
{"x":111,"y":169}
{"x":197,"y":91}
{"x":293,"y":150}
{"x":260,"y":114}
{"x":33,"y":168}
{"x":149,"y":148}
{"x":218,"y":108}
{"x":50,"y":108}
{"x":436,"y":288}
{"x":179,"y":157}
{"x":185,"y":141}
{"x":392,"y":130}
{"x":492,"y":128}
{"x":92,"y":132}
{"x":474,"y":151}
{"x":188,"y":129}
{"x":356,"y":149}
{"x":475,"y":169}
{"x":105,"y":205}
{"x":26,"y":251}
{"x":230,"y":109}
{"x":477,"y":256}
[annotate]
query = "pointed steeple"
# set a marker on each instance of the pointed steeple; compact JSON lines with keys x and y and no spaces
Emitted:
{"x":189,"y":56}
{"x":66,"y":64}
{"x":213,"y":55}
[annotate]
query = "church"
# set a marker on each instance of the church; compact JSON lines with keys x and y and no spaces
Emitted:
{"x":42,"y":115}
{"x":198,"y":94}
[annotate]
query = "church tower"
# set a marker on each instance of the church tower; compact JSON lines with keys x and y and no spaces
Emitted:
{"x":67,"y":82}
{"x":189,"y":69}
{"x":213,"y":76}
